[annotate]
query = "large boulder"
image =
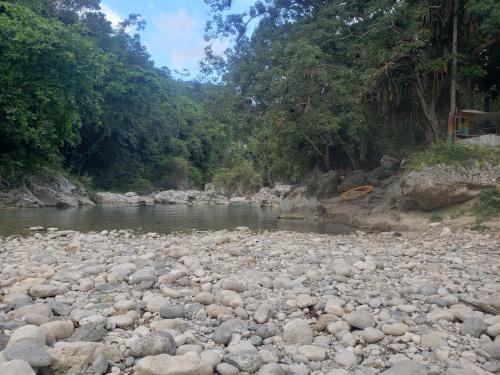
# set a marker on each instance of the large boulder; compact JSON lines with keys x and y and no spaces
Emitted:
{"x":189,"y":197}
{"x":76,"y":357}
{"x":46,"y":188}
{"x":389,"y":163}
{"x":442,"y":185}
{"x":127,"y":198}
{"x":324,"y":186}
{"x":270,"y":196}
{"x":354,"y":179}
{"x":298,"y":205}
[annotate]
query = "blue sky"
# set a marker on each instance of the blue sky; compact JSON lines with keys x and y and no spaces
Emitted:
{"x":175,"y":28}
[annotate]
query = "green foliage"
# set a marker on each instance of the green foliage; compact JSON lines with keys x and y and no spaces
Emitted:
{"x":78,"y":93}
{"x":241,"y":179}
{"x":488,"y":204}
{"x":455,"y":154}
{"x":195,"y":178}
{"x":478,"y":227}
{"x":49,"y":73}
{"x":332,"y":83}
{"x":436,"y":218}
{"x":320,"y":83}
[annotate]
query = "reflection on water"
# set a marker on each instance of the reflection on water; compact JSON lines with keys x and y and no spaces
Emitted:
{"x":162,"y":219}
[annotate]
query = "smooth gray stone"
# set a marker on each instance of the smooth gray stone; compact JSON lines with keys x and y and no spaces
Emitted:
{"x":33,"y":353}
{"x":92,"y":332}
{"x":247,"y":360}
{"x":406,"y":368}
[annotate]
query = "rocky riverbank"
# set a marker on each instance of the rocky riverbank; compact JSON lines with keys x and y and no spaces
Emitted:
{"x":46,"y":188}
{"x":264,"y":197}
{"x":250,"y":303}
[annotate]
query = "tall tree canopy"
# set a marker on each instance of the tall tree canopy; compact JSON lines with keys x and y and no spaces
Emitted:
{"x":306,"y":84}
{"x":77,"y":91}
{"x":327,"y":81}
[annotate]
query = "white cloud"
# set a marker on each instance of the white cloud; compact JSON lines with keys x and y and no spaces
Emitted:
{"x":111,"y":15}
{"x":178,"y":38}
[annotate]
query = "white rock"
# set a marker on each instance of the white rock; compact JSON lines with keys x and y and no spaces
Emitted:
{"x":298,"y":331}
{"x":372,"y":335}
{"x":28,"y":333}
{"x":16,"y":367}
{"x":164,"y":364}
{"x":395,"y":329}
{"x":346,"y":359}
{"x":312,"y":352}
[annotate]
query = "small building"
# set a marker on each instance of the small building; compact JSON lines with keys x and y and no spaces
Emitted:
{"x":477,"y":127}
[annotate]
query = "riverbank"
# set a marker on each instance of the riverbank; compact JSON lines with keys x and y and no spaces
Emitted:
{"x":243,"y":302}
{"x":398,"y":202}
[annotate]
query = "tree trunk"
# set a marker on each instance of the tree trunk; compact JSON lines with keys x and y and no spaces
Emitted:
{"x":363,"y":148}
{"x":349,"y":149}
{"x":467,"y":90}
{"x":429,"y":110}
{"x":328,"y":164}
{"x":453,"y":82}
{"x":487,"y":103}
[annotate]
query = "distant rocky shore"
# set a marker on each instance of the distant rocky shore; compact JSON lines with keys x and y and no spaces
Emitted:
{"x":399,"y":200}
{"x":237,"y":302}
{"x":264,"y":197}
{"x":50,"y":189}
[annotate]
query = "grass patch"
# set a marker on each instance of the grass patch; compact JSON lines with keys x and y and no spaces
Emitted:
{"x":456,"y":213}
{"x":436,"y":218}
{"x":454,"y":154}
{"x":488,"y":204}
{"x":478,"y":227}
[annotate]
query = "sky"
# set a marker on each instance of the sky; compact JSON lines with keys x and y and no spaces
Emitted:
{"x":174,"y":30}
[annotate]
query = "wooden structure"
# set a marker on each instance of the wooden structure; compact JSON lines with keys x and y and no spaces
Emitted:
{"x":471,"y":123}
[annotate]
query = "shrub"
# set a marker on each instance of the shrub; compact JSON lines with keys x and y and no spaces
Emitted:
{"x":488,"y":204}
{"x":195,"y":178}
{"x":241,"y":179}
{"x":436,"y":218}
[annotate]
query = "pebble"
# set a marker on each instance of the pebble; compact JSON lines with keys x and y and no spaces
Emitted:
{"x":271,"y":369}
{"x":261,"y":315}
{"x":431,"y":340}
{"x":28,"y":333}
{"x":16,"y":367}
{"x":473,"y":326}
{"x":158,"y":342}
{"x":30,"y":352}
{"x":312,"y":352}
{"x":227,"y":369}
{"x":270,"y":303}
{"x":247,"y":360}
{"x":406,"y":367}
{"x":360,"y":319}
{"x":60,"y":330}
{"x":164,"y":364}
{"x":373,"y":335}
{"x":298,"y":331}
{"x":395,"y":329}
{"x":346,"y":359}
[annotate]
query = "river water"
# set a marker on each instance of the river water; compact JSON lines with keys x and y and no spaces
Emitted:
{"x":158,"y":218}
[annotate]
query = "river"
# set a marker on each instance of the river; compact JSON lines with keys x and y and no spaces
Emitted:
{"x":159,"y":218}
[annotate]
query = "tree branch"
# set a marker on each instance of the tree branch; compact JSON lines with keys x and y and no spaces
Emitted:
{"x":313,"y":144}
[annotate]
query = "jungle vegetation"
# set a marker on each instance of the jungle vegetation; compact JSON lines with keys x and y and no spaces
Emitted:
{"x":306,"y":84}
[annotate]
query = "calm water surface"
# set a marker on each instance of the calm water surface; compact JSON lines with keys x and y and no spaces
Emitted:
{"x":161,"y":219}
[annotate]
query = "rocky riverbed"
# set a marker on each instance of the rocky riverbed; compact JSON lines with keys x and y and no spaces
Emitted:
{"x":250,"y":303}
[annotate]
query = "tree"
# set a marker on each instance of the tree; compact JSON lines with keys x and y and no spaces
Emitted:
{"x":327,"y":75}
{"x":49,"y":73}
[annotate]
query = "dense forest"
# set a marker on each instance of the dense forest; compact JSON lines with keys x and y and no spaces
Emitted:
{"x":306,"y":84}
